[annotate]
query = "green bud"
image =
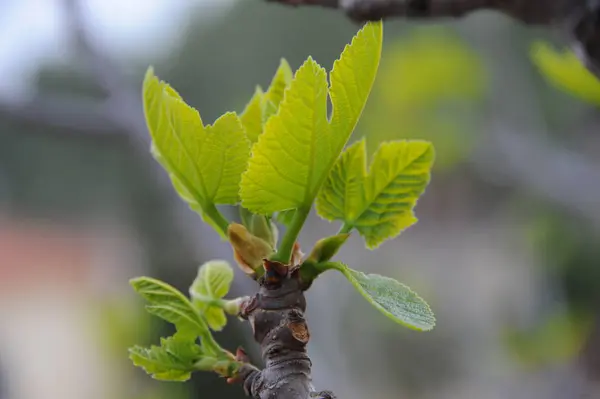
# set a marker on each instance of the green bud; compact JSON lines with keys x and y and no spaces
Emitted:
{"x":326,"y":248}
{"x":232,"y":306}
{"x":225,"y":368}
{"x":262,"y":227}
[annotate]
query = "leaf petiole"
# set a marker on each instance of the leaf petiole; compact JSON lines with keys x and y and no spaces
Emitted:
{"x":220,"y":221}
{"x":345,"y":229}
{"x":284,"y":252}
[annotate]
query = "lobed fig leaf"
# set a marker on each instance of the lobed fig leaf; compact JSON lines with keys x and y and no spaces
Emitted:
{"x":379,"y":204}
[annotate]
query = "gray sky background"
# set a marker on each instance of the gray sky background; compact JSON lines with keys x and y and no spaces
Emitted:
{"x":32,"y":31}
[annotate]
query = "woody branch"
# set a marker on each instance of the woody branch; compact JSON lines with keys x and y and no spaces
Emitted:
{"x":536,"y":12}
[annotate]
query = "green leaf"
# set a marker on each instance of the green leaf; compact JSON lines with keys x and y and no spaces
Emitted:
{"x":205,"y":163}
{"x":299,"y":146}
{"x":290,"y":151}
{"x":274,"y":95}
{"x":393,"y":299}
{"x":343,"y":193}
{"x":213,"y":280}
{"x":263,"y":105}
{"x":172,"y":361}
{"x":352,"y":78}
{"x":211,"y":284}
{"x":252,"y":117}
{"x":171,"y":305}
{"x":378,"y":204}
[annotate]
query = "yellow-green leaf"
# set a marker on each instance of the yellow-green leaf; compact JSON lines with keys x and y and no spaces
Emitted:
{"x":213,"y":280}
{"x":172,"y":361}
{"x":352,"y":78}
{"x":274,"y":95}
{"x":205,"y":163}
{"x":291,"y":150}
{"x":252,"y":117}
{"x":299,"y":146}
{"x":171,"y":305}
{"x":378,"y":204}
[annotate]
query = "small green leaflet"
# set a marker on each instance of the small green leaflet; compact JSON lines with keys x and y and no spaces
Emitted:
{"x":378,"y":204}
{"x":172,"y":361}
{"x":263,"y":105}
{"x":393,"y":299}
{"x":273,"y":97}
{"x":205,"y":163}
{"x":212,"y":284}
{"x":171,"y":305}
{"x":252,"y":116}
{"x":299,"y":145}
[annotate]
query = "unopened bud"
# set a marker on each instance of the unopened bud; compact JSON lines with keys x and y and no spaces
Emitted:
{"x":249,"y":250}
{"x":263,"y":228}
{"x":326,"y":248}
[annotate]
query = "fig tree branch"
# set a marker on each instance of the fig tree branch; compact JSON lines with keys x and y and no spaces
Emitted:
{"x":276,"y":316}
{"x":536,"y":12}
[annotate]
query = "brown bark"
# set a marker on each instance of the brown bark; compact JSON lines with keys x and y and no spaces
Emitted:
{"x":276,"y":315}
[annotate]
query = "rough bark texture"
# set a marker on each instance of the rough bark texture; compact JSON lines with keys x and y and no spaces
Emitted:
{"x":276,"y":315}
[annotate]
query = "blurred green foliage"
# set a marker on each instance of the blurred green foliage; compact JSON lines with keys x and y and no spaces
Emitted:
{"x":557,"y":339}
{"x":564,"y":70}
{"x":430,"y":86}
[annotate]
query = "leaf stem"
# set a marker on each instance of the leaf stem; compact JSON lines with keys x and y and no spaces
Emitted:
{"x":209,"y":342}
{"x":284,"y":252}
{"x":221,"y":223}
{"x":345,"y":229}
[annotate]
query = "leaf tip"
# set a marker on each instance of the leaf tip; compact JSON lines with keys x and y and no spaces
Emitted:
{"x":149,"y":74}
{"x":285,"y":67}
{"x":135,"y":282}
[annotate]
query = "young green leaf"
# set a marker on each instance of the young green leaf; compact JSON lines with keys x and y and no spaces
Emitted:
{"x":171,"y":305}
{"x":252,"y":117}
{"x":291,"y":150}
{"x":211,"y":284}
{"x":263,"y":105}
{"x":378,"y":204}
{"x":352,"y":77}
{"x":273,"y":97}
{"x":299,"y":146}
{"x":205,"y":163}
{"x":393,"y":299}
{"x":172,"y":361}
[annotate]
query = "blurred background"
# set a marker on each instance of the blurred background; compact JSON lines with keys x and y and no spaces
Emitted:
{"x":507,"y":249}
